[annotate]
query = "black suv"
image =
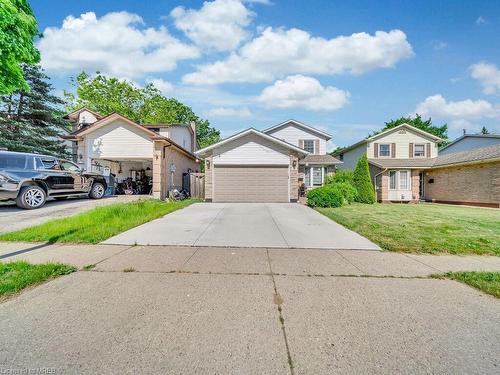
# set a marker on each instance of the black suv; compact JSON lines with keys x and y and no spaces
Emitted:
{"x":29,"y":179}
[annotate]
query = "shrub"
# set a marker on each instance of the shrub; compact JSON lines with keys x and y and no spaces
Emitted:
{"x":325,"y":196}
{"x":363,"y":182}
{"x":343,"y":175}
{"x":347,"y":190}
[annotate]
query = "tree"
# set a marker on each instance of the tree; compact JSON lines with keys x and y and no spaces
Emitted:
{"x":363,"y":182}
{"x":18,"y":29}
{"x":144,"y":105}
{"x":337,"y":149}
{"x":439,"y":131}
{"x":31,"y":120}
{"x":484,"y":130}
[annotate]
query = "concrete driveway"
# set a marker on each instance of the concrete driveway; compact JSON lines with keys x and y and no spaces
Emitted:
{"x":270,"y":225}
{"x":13,"y":218}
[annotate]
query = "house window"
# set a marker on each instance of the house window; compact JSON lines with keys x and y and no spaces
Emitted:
{"x":317,"y":176}
{"x":419,"y":150}
{"x":403,"y":180}
{"x":384,"y":149}
{"x":309,"y":146}
{"x":392,"y":180}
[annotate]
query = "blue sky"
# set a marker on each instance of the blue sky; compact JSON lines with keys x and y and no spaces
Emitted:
{"x":345,"y":67}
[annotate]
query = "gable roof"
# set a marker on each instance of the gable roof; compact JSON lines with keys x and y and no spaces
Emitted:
{"x":479,"y":154}
{"x":300,"y":125}
{"x":256,"y":132}
{"x":470,"y":136}
{"x":385,"y":132}
{"x":77,"y":112}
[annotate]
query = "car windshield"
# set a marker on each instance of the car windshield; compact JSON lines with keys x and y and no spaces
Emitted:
{"x":9,"y":161}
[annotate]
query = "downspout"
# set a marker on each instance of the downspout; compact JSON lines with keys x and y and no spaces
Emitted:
{"x":375,"y":184}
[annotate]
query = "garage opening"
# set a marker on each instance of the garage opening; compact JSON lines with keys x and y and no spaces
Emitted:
{"x":251,"y":184}
{"x":126,"y":177}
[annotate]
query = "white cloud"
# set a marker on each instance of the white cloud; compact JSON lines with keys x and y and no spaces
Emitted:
{"x":439,"y":45}
{"x":299,"y":91}
{"x":218,"y":24}
{"x":464,"y":110}
{"x":278,"y":52}
{"x":481,"y":20}
{"x":116,"y":44}
{"x":229,"y":112}
{"x":164,"y":86}
{"x":488,"y":75}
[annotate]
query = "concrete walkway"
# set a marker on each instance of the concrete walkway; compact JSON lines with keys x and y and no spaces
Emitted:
{"x":249,"y":311}
{"x":265,"y":225}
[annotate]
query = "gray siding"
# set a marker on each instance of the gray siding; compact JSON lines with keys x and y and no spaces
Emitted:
{"x":470,"y":143}
{"x":351,"y":157}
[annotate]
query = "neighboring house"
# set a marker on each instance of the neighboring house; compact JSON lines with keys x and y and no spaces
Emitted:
{"x":405,"y":167}
{"x":128,"y":149}
{"x":267,"y":166}
{"x":470,"y":142}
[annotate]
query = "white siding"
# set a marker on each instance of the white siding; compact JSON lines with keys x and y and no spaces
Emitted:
{"x":351,"y":157}
{"x":402,"y":141}
{"x":119,"y":140}
{"x":251,"y":150}
{"x":292,"y":134}
{"x":86,"y":117}
{"x":180,"y":135}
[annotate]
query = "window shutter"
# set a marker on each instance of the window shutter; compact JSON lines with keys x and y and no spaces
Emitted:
{"x":301,"y":143}
{"x":411,"y":150}
{"x":375,"y":150}
{"x":428,"y":151}
{"x":316,"y":146}
{"x":393,"y":150}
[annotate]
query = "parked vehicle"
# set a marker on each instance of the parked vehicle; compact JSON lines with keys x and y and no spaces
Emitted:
{"x":29,"y":179}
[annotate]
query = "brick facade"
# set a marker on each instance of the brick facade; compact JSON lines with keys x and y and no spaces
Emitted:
{"x":476,"y":184}
{"x":294,"y":178}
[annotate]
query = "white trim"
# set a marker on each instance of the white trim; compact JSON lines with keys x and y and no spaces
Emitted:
{"x":252,"y":131}
{"x":380,"y":148}
{"x":300,"y":124}
{"x":417,"y":130}
{"x":425,"y":151}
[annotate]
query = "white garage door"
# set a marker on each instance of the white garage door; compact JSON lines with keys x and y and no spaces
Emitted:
{"x":251,"y":184}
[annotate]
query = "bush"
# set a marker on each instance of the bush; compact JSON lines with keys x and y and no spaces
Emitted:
{"x":343,"y":175}
{"x":348,"y":191}
{"x":325,"y":196}
{"x":363,"y":182}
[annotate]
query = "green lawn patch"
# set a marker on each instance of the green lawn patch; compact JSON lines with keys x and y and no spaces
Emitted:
{"x":15,"y":276}
{"x":98,"y":224}
{"x":423,"y":228}
{"x":488,"y":282}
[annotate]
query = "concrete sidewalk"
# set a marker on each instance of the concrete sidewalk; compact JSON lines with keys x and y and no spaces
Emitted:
{"x":250,"y":311}
{"x":246,"y":260}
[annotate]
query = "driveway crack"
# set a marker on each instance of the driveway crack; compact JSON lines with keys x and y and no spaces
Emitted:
{"x":278,"y":300}
{"x":277,"y":226}
{"x":195,"y":243}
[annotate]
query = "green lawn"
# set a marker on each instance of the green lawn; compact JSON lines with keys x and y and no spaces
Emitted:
{"x":424,"y":228}
{"x":15,"y":276}
{"x":98,"y":224}
{"x":488,"y":282}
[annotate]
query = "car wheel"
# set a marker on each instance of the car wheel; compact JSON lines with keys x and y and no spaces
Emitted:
{"x":97,"y":191}
{"x":31,"y":197}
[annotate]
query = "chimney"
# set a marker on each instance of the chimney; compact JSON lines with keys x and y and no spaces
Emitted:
{"x":192,"y":124}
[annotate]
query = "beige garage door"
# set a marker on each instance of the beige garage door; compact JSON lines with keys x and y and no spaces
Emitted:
{"x":251,"y":184}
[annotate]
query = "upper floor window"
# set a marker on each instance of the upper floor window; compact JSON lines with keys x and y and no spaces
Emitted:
{"x":309,"y":145}
{"x":419,"y":150}
{"x":384,"y":149}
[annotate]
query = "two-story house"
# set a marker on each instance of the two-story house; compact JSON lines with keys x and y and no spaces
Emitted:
{"x":267,"y":166}
{"x":406,"y":166}
{"x":398,"y":158}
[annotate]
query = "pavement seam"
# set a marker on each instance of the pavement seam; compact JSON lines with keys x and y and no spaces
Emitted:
{"x":425,"y":264}
{"x":188,"y":259}
{"x":277,"y":226}
{"x":280,"y":314}
{"x":351,"y":263}
{"x":195,"y":243}
{"x":111,"y":256}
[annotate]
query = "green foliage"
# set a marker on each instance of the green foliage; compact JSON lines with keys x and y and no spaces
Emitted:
{"x":18,"y":28}
{"x":325,"y":196}
{"x":341,"y":175}
{"x":417,"y":122}
{"x":347,"y":190}
{"x":88,"y":227}
{"x":363,"y":182}
{"x":337,"y":150}
{"x":15,"y":276}
{"x":144,"y":105}
{"x":484,"y":130}
{"x":31,"y":121}
{"x":488,"y":282}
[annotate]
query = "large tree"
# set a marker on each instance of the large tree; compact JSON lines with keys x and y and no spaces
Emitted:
{"x":31,"y":120}
{"x":18,"y":29}
{"x":426,"y":125}
{"x":144,"y":105}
